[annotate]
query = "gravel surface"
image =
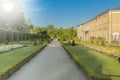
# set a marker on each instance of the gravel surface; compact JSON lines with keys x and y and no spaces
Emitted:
{"x":52,"y":63}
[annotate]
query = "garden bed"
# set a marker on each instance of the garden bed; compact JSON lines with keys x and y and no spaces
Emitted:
{"x":113,"y":51}
{"x":97,"y":66}
{"x":103,"y":52}
{"x":9,"y":47}
{"x":13,"y":60}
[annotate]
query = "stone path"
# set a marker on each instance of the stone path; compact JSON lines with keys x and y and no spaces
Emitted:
{"x":52,"y":63}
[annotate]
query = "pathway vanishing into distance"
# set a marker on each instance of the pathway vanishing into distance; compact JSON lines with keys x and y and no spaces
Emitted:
{"x":52,"y":63}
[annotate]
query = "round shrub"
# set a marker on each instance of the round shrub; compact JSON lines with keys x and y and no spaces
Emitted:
{"x":35,"y":43}
{"x":73,"y":43}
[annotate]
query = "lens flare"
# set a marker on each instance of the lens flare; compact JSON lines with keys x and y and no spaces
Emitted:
{"x":8,"y":7}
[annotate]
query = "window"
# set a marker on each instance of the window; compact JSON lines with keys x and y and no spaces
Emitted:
{"x":105,"y":33}
{"x":105,"y":19}
{"x":116,"y":36}
{"x":100,"y":21}
{"x":100,"y":32}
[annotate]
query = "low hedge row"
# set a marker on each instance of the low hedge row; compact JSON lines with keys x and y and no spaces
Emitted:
{"x":90,"y":75}
{"x":110,"y":55}
{"x":16,"y":67}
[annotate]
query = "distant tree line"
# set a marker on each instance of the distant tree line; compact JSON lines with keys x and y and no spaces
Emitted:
{"x":50,"y":32}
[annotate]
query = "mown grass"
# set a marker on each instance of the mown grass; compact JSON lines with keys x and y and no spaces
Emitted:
{"x":11,"y":58}
{"x":95,"y":64}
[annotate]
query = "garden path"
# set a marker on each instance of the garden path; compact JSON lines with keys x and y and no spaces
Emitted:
{"x":52,"y":63}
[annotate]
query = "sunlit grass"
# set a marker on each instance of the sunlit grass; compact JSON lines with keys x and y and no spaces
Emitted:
{"x":11,"y":58}
{"x":95,"y":63}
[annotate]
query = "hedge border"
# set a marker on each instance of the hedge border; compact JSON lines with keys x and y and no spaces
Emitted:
{"x":78,"y":64}
{"x":104,"y":53}
{"x":7,"y":74}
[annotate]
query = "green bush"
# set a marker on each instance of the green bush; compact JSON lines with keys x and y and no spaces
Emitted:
{"x":100,"y":41}
{"x":103,"y":42}
{"x":73,"y":43}
{"x":92,"y":39}
{"x":69,"y":42}
{"x":35,"y":43}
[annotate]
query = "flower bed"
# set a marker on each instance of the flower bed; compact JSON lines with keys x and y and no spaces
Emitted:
{"x":109,"y":50}
{"x":9,"y":47}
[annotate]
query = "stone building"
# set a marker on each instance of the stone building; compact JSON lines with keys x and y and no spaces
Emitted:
{"x":105,"y":25}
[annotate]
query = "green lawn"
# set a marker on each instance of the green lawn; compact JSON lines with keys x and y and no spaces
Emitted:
{"x":95,"y":63}
{"x":11,"y":58}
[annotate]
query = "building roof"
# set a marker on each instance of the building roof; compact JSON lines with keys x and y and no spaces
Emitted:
{"x":114,"y":9}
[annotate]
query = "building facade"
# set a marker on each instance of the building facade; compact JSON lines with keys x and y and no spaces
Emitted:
{"x":105,"y":25}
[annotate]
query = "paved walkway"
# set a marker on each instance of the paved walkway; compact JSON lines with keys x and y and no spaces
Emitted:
{"x":53,"y":63}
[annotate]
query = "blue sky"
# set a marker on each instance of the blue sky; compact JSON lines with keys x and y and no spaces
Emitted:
{"x":65,"y":13}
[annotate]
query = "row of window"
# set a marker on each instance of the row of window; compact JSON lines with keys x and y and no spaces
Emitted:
{"x":98,"y":33}
{"x":98,"y":22}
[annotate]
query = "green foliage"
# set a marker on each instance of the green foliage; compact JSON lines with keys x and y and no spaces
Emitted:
{"x":15,"y":26}
{"x":50,"y":32}
{"x":92,"y":39}
{"x":100,"y":41}
{"x":103,"y":42}
{"x":73,"y":43}
{"x":10,"y":36}
{"x":65,"y":34}
{"x":35,"y":43}
{"x":119,"y":59}
{"x":78,"y":40}
{"x":69,"y":42}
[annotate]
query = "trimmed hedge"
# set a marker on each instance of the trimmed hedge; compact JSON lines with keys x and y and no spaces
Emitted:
{"x":16,"y":67}
{"x":11,"y":36}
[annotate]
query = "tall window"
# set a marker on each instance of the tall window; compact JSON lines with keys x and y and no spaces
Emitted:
{"x":105,"y":19}
{"x":105,"y":33}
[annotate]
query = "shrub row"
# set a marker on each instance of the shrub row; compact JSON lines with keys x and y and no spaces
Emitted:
{"x":99,"y":40}
{"x":102,"y":52}
{"x":11,"y":36}
{"x":16,"y":67}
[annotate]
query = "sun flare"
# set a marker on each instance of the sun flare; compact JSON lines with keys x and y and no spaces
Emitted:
{"x":8,"y":7}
